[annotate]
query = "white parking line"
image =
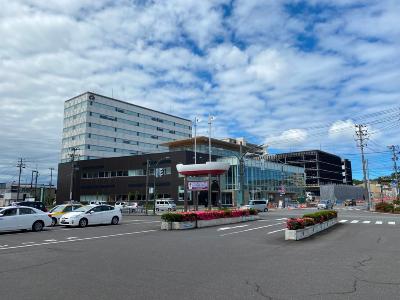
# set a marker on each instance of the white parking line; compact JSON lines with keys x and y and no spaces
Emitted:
{"x":366,"y":222}
{"x":354,"y":221}
{"x":378,"y":222}
{"x":5,"y":247}
{"x":392,"y":223}
{"x":227,"y":228}
{"x":250,"y":229}
{"x":271,"y":232}
{"x":343,"y":221}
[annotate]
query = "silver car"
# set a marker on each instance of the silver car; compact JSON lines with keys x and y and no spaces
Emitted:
{"x":260,"y":205}
{"x":325,"y":204}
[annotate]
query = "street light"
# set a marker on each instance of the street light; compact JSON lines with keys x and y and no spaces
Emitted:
{"x":154,"y":186}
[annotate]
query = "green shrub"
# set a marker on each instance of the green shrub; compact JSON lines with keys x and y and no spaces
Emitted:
{"x":396,"y":202}
{"x":253,"y":211}
{"x":384,"y":207}
{"x":322,"y":216}
{"x":172,"y":217}
{"x":396,"y":210}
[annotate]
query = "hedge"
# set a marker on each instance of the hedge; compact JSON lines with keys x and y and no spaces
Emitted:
{"x":310,"y":219}
{"x":206,"y":215}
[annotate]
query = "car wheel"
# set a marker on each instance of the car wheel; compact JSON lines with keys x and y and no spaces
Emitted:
{"x":265,"y":209}
{"x":53,"y":221}
{"x":37,"y":226}
{"x":157,"y":209}
{"x":169,"y":209}
{"x":83,"y":222}
{"x":114,"y":221}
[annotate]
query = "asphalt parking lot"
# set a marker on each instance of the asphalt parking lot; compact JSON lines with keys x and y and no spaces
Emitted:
{"x":136,"y":260}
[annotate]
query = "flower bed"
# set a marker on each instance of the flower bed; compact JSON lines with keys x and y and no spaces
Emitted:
{"x":386,"y":207}
{"x":197,"y":219}
{"x":309,"y":224}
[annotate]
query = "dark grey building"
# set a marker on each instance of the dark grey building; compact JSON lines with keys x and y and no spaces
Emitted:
{"x":321,"y":168}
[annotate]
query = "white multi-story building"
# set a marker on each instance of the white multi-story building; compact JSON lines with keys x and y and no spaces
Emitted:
{"x":100,"y":126}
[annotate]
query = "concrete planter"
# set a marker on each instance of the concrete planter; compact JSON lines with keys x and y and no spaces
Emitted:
{"x":300,"y":234}
{"x":183,"y":225}
{"x":166,"y":225}
{"x":206,"y":223}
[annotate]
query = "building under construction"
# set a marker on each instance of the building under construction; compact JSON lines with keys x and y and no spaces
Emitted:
{"x":321,"y":168}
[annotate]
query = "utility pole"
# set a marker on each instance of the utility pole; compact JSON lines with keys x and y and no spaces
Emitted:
{"x":36,"y":176}
{"x":20,"y":166}
{"x":395,"y":152}
{"x":51,"y":176}
{"x":361,"y":138}
{"x":147,"y":184}
{"x":72,"y":156}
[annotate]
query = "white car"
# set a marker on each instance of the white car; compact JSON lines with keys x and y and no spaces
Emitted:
{"x":23,"y":218}
{"x":260,"y":205}
{"x":91,"y":215}
{"x":325,"y":204}
{"x":165,"y":205}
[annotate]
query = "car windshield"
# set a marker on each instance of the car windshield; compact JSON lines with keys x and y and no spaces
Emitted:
{"x":57,"y":208}
{"x":323,"y":202}
{"x":83,"y":208}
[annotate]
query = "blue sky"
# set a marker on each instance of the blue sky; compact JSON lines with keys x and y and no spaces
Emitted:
{"x":292,"y":74}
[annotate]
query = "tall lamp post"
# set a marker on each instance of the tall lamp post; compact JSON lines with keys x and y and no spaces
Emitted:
{"x":154,"y":183}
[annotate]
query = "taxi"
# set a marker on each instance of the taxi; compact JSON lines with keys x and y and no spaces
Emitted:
{"x":58,"y":211}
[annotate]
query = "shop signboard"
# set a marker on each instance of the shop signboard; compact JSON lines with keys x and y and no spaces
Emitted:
{"x":198,"y":185}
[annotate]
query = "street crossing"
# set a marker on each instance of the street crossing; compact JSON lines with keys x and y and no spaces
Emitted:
{"x":370,"y":222}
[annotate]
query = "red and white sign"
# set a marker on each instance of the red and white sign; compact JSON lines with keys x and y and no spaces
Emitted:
{"x":198,"y":185}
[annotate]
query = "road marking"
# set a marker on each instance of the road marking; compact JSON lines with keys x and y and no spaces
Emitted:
{"x":271,"y":232}
{"x":378,"y":222}
{"x":66,"y":229}
{"x":392,"y":223}
{"x":281,"y":219}
{"x":139,"y":223}
{"x":354,"y":221}
{"x":5,"y":247}
{"x":27,"y":243}
{"x":227,"y":228}
{"x":366,"y":222}
{"x":250,"y":229}
{"x":343,"y":221}
{"x":72,"y":237}
{"x":51,"y":240}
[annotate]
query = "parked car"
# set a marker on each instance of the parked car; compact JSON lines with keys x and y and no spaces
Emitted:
{"x":350,"y":202}
{"x":34,"y":204}
{"x":260,"y":205}
{"x":58,"y":211}
{"x":162,"y":205}
{"x":14,"y":218}
{"x":325,"y":204}
{"x":91,"y":215}
{"x":98,"y":202}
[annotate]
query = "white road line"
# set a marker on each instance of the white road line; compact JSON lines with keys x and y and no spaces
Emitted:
{"x":66,"y":229}
{"x":72,"y":237}
{"x":139,"y":223}
{"x":343,"y":221}
{"x":392,"y":223}
{"x":271,"y":232}
{"x":281,"y":219}
{"x":27,"y":243}
{"x":366,"y":222}
{"x":1,"y":246}
{"x":250,"y":229}
{"x":51,"y":240}
{"x":379,"y":222}
{"x":77,"y":240}
{"x":227,"y":228}
{"x":354,"y":221}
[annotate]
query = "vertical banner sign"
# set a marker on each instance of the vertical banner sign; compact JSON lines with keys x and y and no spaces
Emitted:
{"x":198,"y":185}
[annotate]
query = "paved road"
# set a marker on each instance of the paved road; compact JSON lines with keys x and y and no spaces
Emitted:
{"x":135,"y":260}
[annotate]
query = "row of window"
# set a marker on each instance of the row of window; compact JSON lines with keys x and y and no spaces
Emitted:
{"x":84,"y":104}
{"x":126,"y":173}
